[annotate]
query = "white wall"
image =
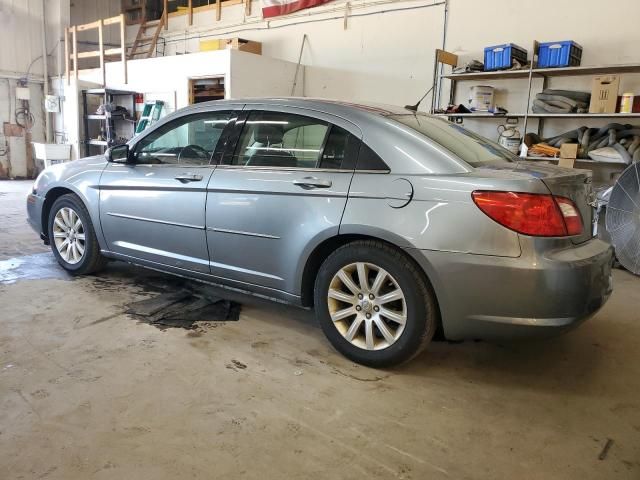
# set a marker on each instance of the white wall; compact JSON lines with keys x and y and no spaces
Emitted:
{"x":21,"y":56}
{"x":607,"y":35}
{"x":386,"y":52}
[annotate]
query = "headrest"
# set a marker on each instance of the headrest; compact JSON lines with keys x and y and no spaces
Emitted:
{"x":268,"y":134}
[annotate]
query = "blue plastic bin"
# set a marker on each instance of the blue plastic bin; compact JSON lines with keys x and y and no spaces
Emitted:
{"x":566,"y":53}
{"x":500,"y":57}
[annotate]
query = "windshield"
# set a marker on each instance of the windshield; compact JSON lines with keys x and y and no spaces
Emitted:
{"x":468,"y":146}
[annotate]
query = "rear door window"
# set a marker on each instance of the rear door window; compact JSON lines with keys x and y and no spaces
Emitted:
{"x":275,"y":139}
{"x":468,"y":146}
{"x":288,"y":140}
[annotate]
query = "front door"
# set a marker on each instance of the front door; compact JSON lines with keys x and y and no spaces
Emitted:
{"x":154,"y":208}
{"x":283,"y":188}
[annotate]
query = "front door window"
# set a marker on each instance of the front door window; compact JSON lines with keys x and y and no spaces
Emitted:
{"x":189,"y":140}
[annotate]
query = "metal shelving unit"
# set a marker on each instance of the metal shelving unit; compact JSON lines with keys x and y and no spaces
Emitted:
{"x":108,"y":121}
{"x":545,"y":74}
{"x":534,"y":73}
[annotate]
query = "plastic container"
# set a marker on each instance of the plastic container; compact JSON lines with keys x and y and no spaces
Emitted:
{"x":566,"y":53}
{"x":51,"y":153}
{"x":626,"y":103}
{"x":500,"y":57}
{"x":481,"y":98}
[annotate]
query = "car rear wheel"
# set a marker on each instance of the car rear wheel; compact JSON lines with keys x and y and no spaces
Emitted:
{"x":72,"y":237}
{"x":374,"y":305}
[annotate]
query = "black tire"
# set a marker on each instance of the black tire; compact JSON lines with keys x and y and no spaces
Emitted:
{"x":422,"y":317}
{"x":92,"y":260}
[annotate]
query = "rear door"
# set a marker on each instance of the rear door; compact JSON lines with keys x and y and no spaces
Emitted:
{"x":154,"y":209}
{"x":283,"y":189}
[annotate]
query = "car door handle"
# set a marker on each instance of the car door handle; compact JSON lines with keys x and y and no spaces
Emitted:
{"x":312,"y":182}
{"x":188,"y":178}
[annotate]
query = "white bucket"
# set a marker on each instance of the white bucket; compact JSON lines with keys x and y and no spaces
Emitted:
{"x":481,"y":98}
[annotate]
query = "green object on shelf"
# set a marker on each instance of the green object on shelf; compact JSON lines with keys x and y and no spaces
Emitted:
{"x":150,"y":115}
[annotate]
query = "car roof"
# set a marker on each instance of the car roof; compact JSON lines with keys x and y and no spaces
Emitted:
{"x":335,"y":107}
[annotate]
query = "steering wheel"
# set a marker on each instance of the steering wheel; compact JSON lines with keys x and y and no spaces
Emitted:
{"x":193,"y":151}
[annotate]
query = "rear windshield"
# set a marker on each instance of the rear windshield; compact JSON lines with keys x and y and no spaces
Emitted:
{"x":468,"y":146}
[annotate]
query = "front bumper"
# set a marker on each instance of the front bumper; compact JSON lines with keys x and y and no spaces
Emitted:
{"x":34,"y":214}
{"x":535,"y":295}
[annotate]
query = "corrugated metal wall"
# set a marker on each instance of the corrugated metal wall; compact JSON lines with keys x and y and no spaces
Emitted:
{"x":20,"y":36}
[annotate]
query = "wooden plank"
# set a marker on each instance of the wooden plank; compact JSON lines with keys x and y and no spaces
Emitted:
{"x":165,"y":12}
{"x":113,"y":51}
{"x":103,"y":72}
{"x":66,"y":55}
{"x":74,"y":46}
{"x":112,"y":20}
{"x":88,"y":26}
{"x":190,"y":12}
{"x":247,"y":7}
{"x":123,"y":48}
{"x":218,"y":10}
{"x":92,"y":54}
{"x":154,"y":41}
{"x":443,"y":56}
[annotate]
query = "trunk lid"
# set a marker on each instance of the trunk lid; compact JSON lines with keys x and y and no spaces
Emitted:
{"x":571,"y":183}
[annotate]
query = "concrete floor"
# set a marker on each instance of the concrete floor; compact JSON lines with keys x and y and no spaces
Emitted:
{"x":88,"y":392}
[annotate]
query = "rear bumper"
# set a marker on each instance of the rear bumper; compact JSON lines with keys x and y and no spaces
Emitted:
{"x":535,"y":295}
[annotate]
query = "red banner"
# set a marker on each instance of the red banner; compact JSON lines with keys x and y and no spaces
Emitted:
{"x":275,"y":8}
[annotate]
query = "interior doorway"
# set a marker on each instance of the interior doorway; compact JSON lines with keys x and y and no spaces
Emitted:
{"x":206,"y":89}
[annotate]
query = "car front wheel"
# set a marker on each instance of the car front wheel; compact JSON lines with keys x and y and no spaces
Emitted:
{"x":374,"y":305}
{"x":73,"y":240}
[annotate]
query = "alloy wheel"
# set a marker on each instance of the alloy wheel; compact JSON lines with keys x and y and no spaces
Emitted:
{"x":69,"y":235}
{"x":367,"y":306}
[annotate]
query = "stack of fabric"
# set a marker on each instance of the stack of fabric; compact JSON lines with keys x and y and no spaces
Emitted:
{"x":561,"y":101}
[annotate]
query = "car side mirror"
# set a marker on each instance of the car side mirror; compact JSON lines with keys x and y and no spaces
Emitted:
{"x":119,"y":154}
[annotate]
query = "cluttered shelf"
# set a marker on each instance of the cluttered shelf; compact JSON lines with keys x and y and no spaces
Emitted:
{"x":545,"y":72}
{"x":616,"y":140}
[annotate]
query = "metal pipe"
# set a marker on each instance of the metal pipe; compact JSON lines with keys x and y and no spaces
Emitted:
{"x":444,"y":47}
{"x":45,"y":70}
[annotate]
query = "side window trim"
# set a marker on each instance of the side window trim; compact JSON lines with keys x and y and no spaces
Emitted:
{"x":323,"y":146}
{"x":233,"y":141}
{"x":228,"y":139}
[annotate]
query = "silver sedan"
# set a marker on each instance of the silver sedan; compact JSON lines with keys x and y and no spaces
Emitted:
{"x":393,"y":225}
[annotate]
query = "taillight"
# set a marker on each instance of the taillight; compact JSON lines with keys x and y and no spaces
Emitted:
{"x":532,"y":214}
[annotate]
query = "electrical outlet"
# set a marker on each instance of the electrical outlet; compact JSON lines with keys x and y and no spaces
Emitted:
{"x":52,"y":103}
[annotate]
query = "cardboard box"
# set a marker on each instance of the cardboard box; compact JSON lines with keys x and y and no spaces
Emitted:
{"x":569,"y":150}
{"x":604,"y":94}
{"x":234,"y":43}
{"x":245,"y":45}
{"x":209,"y":45}
{"x":568,"y":155}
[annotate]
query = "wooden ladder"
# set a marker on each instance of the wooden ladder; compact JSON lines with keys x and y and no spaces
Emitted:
{"x":143,"y":39}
